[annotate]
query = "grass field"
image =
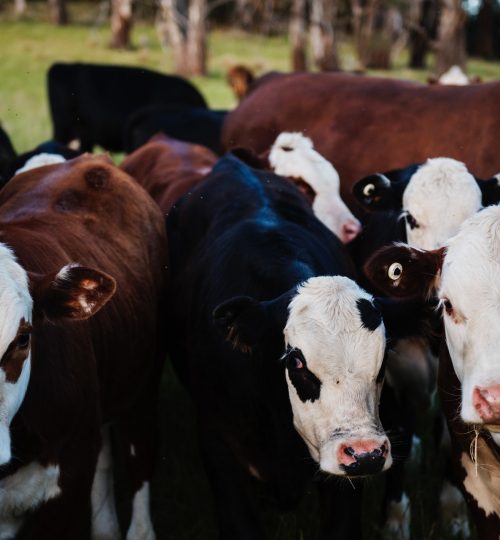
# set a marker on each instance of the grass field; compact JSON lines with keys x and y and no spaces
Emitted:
{"x":181,"y":501}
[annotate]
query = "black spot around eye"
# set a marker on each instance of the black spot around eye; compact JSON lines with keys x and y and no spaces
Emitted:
{"x":23,"y":340}
{"x":448,"y":306}
{"x":307,"y":385}
{"x":370,"y":315}
{"x":412,"y":222}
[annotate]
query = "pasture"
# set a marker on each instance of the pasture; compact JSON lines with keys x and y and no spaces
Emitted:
{"x":181,"y":501}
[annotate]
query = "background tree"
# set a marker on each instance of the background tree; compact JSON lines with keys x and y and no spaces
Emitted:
{"x":323,"y":45}
{"x":183,"y":27}
{"x":298,"y":35}
{"x":58,"y":12}
{"x":450,"y":47}
{"x":19,"y":7}
{"x":121,"y":23}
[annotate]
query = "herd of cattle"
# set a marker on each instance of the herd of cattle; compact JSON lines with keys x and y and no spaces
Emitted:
{"x":312,"y":286}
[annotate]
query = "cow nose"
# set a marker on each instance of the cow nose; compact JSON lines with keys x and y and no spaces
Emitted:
{"x":350,"y":229}
{"x":359,"y":458}
{"x":486,"y":401}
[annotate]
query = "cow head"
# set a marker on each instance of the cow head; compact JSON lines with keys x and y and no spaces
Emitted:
{"x":292,"y":155}
{"x":463,"y":276}
{"x":332,"y":352}
{"x":73,"y":293}
{"x":435,"y":198}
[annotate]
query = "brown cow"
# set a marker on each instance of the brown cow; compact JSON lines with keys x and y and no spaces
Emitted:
{"x":367,"y":124}
{"x":63,"y":382}
{"x":168,"y":168}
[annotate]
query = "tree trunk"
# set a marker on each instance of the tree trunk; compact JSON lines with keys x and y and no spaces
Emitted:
{"x":245,"y":11}
{"x":418,"y":37}
{"x":19,"y":7}
{"x":298,"y":35}
{"x":451,"y":37}
{"x":186,"y":34}
{"x":121,"y":23}
{"x":484,"y":37}
{"x":58,"y":12}
{"x":323,"y":44}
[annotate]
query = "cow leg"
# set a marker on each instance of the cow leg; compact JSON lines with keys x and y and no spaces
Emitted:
{"x":104,"y":519}
{"x":341,"y":505}
{"x":237,"y":514}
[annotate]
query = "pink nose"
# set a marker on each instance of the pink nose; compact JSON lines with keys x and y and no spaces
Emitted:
{"x":350,"y":229}
{"x":354,"y":451}
{"x":487,"y":403}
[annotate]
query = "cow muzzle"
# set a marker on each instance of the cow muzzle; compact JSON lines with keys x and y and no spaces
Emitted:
{"x":486,"y":401}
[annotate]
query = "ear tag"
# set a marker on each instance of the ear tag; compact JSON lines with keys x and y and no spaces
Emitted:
{"x":395,"y":271}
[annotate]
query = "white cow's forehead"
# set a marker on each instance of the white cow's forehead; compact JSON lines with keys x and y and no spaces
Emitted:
{"x":15,"y":300}
{"x":447,"y":179}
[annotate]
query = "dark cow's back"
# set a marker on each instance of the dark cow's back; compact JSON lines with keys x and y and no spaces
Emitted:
{"x":367,"y":124}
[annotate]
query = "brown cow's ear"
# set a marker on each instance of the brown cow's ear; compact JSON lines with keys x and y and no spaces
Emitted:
{"x":404,"y":272}
{"x":75,"y":292}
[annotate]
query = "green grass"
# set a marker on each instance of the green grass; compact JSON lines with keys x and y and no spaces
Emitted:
{"x":181,"y":502}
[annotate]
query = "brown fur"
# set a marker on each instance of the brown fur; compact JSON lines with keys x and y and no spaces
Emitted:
{"x":167,"y":168}
{"x":368,"y":124}
{"x":85,"y":373}
{"x":239,"y":79}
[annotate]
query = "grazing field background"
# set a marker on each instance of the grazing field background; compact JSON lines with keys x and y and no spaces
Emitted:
{"x":181,"y":500}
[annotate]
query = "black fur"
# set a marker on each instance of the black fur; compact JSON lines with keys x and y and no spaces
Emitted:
{"x":370,"y":315}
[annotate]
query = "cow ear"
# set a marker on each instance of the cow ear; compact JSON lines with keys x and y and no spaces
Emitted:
{"x":247,"y":323}
{"x":404,"y":272}
{"x":75,"y":292}
{"x":409,"y":318}
{"x":490,"y":190}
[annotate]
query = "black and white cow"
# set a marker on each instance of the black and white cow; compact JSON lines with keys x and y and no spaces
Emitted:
{"x":282,"y":351}
{"x":463,"y":277}
{"x":435,"y":198}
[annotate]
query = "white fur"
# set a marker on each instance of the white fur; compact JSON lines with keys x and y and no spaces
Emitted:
{"x":23,"y":491}
{"x":40,"y":160}
{"x":441,"y":195}
{"x":141,"y":527}
{"x":104,"y":519}
{"x":302,"y":161}
{"x":399,"y":519}
{"x":454,"y":77}
{"x":325,"y":324}
{"x":470,"y":281}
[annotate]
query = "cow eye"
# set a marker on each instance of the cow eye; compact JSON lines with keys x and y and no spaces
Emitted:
{"x":448,"y":307}
{"x":295,"y":360}
{"x":368,"y":190}
{"x":23,"y":340}
{"x":412,"y":222}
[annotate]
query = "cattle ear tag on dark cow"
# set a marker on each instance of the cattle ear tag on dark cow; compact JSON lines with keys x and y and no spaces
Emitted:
{"x":75,"y":292}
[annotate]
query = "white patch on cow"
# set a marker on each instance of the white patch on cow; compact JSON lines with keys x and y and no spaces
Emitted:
{"x":15,"y":305}
{"x":454,"y":510}
{"x":497,"y":176}
{"x":141,"y":527}
{"x":440,"y":196}
{"x":104,"y":519}
{"x":23,"y":491}
{"x":324,"y":322}
{"x":40,"y":160}
{"x":293,"y":155}
{"x":399,"y":519}
{"x":454,"y":77}
{"x":483,"y":481}
{"x":470,"y":282}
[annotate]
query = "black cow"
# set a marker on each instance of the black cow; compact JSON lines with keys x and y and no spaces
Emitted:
{"x":266,"y":346}
{"x":91,"y":103}
{"x":196,"y":125}
{"x":7,"y":154}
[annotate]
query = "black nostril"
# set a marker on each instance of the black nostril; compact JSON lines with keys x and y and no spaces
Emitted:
{"x":349,"y":451}
{"x":383,"y":449}
{"x":377,"y":452}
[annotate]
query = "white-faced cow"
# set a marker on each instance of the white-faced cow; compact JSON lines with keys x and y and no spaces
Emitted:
{"x":82,"y":257}
{"x":282,"y":352}
{"x":434,"y":198}
{"x":463,"y":277}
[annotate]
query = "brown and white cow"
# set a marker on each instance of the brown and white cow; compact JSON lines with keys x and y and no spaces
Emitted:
{"x":167,"y":168}
{"x":366,"y":124}
{"x":463,"y":276}
{"x":82,"y":258}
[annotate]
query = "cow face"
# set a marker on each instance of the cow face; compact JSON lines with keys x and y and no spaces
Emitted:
{"x":334,"y":341}
{"x":293,"y":155}
{"x":74,"y":292}
{"x":464,"y":277}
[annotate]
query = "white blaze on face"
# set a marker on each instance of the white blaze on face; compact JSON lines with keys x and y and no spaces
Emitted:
{"x":470,"y":292}
{"x":440,"y":196}
{"x":293,"y":155}
{"x":40,"y":160}
{"x":15,"y":305}
{"x":345,"y":356}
